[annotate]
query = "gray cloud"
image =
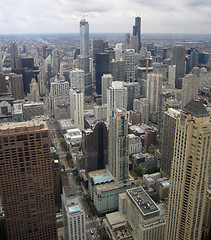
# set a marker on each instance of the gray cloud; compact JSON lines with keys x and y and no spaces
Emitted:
{"x":105,"y":16}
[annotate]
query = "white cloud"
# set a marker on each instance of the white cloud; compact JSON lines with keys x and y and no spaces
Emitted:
{"x":163,"y":16}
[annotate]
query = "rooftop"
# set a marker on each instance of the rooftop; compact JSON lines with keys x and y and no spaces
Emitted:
{"x":143,"y":201}
{"x":196,"y":108}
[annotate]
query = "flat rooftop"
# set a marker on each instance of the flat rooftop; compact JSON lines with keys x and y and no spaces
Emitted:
{"x":143,"y":201}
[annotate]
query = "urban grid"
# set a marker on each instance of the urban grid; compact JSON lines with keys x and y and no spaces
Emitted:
{"x":105,"y":136}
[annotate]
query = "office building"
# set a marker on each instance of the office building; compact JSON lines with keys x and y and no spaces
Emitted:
{"x":106,"y":83}
{"x":141,"y":106}
{"x":34,"y":91}
{"x":26,"y":181}
{"x":17,"y":86}
{"x":102,"y":67}
{"x":190,"y":88}
{"x":116,"y":98}
{"x":84,"y":64}
{"x":129,"y":58}
{"x":118,"y":145}
{"x":95,"y":146}
{"x":104,"y":190}
{"x":84,"y":37}
{"x":167,"y":143}
{"x":14,"y":55}
{"x":189,"y":173}
{"x":137,"y":30}
{"x":77,"y":79}
{"x":117,"y":70}
{"x":178,"y":59}
{"x":73,"y":216}
{"x":118,"y":51}
{"x":77,"y":108}
{"x":138,"y":218}
{"x":3,"y":86}
{"x":171,"y":75}
{"x":98,"y":46}
{"x":133,"y":92}
{"x":153,"y":89}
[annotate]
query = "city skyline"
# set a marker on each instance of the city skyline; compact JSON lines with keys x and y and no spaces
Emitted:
{"x":63,"y":16}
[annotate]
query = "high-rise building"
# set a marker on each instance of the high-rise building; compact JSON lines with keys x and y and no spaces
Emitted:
{"x":172,"y":75}
{"x":106,"y":83}
{"x":77,"y":108}
{"x":129,"y":57}
{"x":118,"y":51}
{"x":73,"y":216}
{"x":3,"y":86}
{"x":17,"y":86}
{"x":116,"y":98}
{"x":167,"y":143}
{"x":137,"y":30}
{"x":95,"y":146}
{"x":153,"y":90}
{"x":77,"y":79}
{"x":141,"y":106}
{"x":14,"y":55}
{"x":84,"y":37}
{"x":34,"y":91}
{"x":190,"y":87}
{"x":118,"y":148}
{"x":133,"y":92}
{"x":26,"y":181}
{"x":178,"y":59}
{"x":117,"y":70}
{"x":102,"y":67}
{"x":98,"y":46}
{"x":189,"y":173}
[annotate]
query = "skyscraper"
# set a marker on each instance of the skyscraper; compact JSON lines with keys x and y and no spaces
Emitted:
{"x":118,"y":149}
{"x":17,"y":86}
{"x":102,"y":67}
{"x":116,"y":98}
{"x":178,"y":59}
{"x":84,"y":37}
{"x":77,"y":79}
{"x":190,"y":87}
{"x":153,"y":90}
{"x":189,"y":173}
{"x":106,"y":83}
{"x":129,"y":58}
{"x":137,"y":30}
{"x":14,"y":57}
{"x":77,"y":108}
{"x":26,"y":181}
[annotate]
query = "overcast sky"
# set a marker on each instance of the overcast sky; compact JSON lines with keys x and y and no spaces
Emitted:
{"x":63,"y":16}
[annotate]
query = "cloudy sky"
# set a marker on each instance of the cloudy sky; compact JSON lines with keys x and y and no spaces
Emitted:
{"x":63,"y":16}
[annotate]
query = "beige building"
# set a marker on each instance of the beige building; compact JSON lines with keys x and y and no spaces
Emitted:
{"x":26,"y":181}
{"x":190,"y":86}
{"x":138,"y":218}
{"x":189,"y":173}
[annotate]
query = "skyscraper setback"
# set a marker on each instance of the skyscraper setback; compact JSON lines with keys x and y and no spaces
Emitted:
{"x":26,"y":183}
{"x":189,"y":173}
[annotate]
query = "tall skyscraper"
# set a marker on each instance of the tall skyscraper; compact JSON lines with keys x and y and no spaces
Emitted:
{"x":129,"y":58}
{"x":17,"y":86}
{"x":102,"y":67}
{"x":84,"y":37}
{"x":190,"y":87}
{"x":116,"y":98}
{"x":189,"y":173}
{"x":118,"y":148}
{"x":26,"y":181}
{"x":117,"y":70}
{"x":178,"y":59}
{"x":137,"y":30}
{"x":172,"y":75}
{"x":106,"y":83}
{"x":83,"y":58}
{"x":77,"y":79}
{"x":153,"y":90}
{"x":77,"y":108}
{"x":167,"y":143}
{"x":14,"y":56}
